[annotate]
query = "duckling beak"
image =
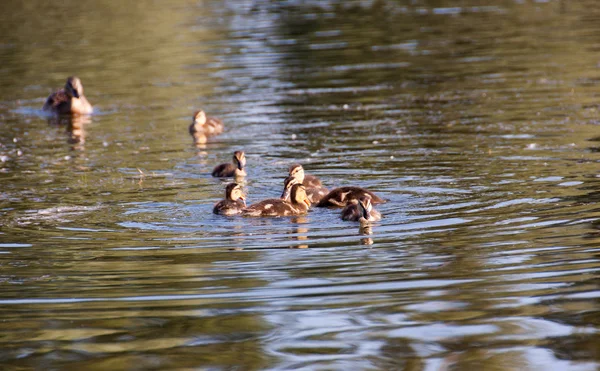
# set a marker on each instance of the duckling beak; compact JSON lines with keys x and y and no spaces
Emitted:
{"x":307,"y":202}
{"x":243,"y":198}
{"x":241,"y":164}
{"x":75,"y":93}
{"x":286,"y":194}
{"x":366,"y":214}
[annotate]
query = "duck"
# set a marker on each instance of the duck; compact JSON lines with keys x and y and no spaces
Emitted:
{"x":297,"y":171}
{"x":287,"y":187}
{"x":298,"y":204}
{"x":233,"y":169}
{"x":69,"y":100}
{"x":202,"y":127}
{"x":360,"y":210}
{"x":233,"y":203}
{"x":314,"y":187}
{"x":340,"y":197}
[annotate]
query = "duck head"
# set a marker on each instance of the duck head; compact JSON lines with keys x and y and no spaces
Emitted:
{"x":239,"y":159}
{"x":234,"y":192}
{"x":73,"y":87}
{"x":287,"y":187}
{"x":297,"y":171}
{"x":199,"y":118}
{"x":365,"y":207}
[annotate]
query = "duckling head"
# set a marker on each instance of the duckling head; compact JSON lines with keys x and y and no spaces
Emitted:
{"x":73,"y":87}
{"x":287,"y":187}
{"x":234,"y":192}
{"x":297,"y":171}
{"x":199,"y":118}
{"x":239,"y":159}
{"x":364,"y":208}
{"x":298,"y":195}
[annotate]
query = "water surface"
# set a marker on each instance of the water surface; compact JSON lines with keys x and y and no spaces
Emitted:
{"x":479,"y":124}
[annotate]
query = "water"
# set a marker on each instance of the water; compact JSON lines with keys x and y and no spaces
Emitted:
{"x":479,"y":124}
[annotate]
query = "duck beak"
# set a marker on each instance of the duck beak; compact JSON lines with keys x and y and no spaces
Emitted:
{"x":73,"y":91}
{"x":366,"y":214}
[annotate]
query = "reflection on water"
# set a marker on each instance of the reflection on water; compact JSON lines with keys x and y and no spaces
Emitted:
{"x":74,"y":127}
{"x":477,"y":123}
{"x":365,"y":230}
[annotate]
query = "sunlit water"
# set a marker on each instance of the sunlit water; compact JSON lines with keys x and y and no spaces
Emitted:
{"x":478,"y":124}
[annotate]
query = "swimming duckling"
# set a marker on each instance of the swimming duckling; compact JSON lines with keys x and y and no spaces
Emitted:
{"x":277,"y":207}
{"x":202,"y":127}
{"x":314,"y":188}
{"x":344,"y":195}
{"x":69,"y":100}
{"x":234,"y":201}
{"x":314,"y":194}
{"x":361,"y":211}
{"x":232,"y":169}
{"x":296,"y":170}
{"x":287,"y":187}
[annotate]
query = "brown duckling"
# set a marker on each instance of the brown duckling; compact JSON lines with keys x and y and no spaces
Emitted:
{"x":202,"y":127}
{"x":296,"y":170}
{"x":234,"y":169}
{"x":342,"y":196}
{"x":287,"y":187}
{"x":69,"y":100}
{"x":314,"y":188}
{"x":297,"y":205}
{"x":361,"y":210}
{"x":314,"y":194}
{"x":234,"y":201}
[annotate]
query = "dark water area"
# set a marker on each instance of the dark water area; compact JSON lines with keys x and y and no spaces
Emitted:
{"x":477,"y":121}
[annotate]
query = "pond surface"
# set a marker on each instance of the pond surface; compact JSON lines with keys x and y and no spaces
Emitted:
{"x":478,"y":123}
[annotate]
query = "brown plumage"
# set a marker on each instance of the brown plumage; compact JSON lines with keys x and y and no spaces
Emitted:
{"x":298,"y":204}
{"x":297,"y":171}
{"x":314,"y":188}
{"x":360,"y":210}
{"x":233,"y":169}
{"x":342,"y":196}
{"x":202,"y":127}
{"x":69,"y":100}
{"x":314,"y":194}
{"x":233,"y":203}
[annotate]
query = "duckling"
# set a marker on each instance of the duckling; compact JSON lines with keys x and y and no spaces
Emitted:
{"x":232,"y":169}
{"x":314,"y":188}
{"x":298,"y":205}
{"x":203,"y":126}
{"x":287,"y":187}
{"x":344,"y":195}
{"x":69,"y":100}
{"x":233,"y":203}
{"x":361,"y":211}
{"x":297,"y":171}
